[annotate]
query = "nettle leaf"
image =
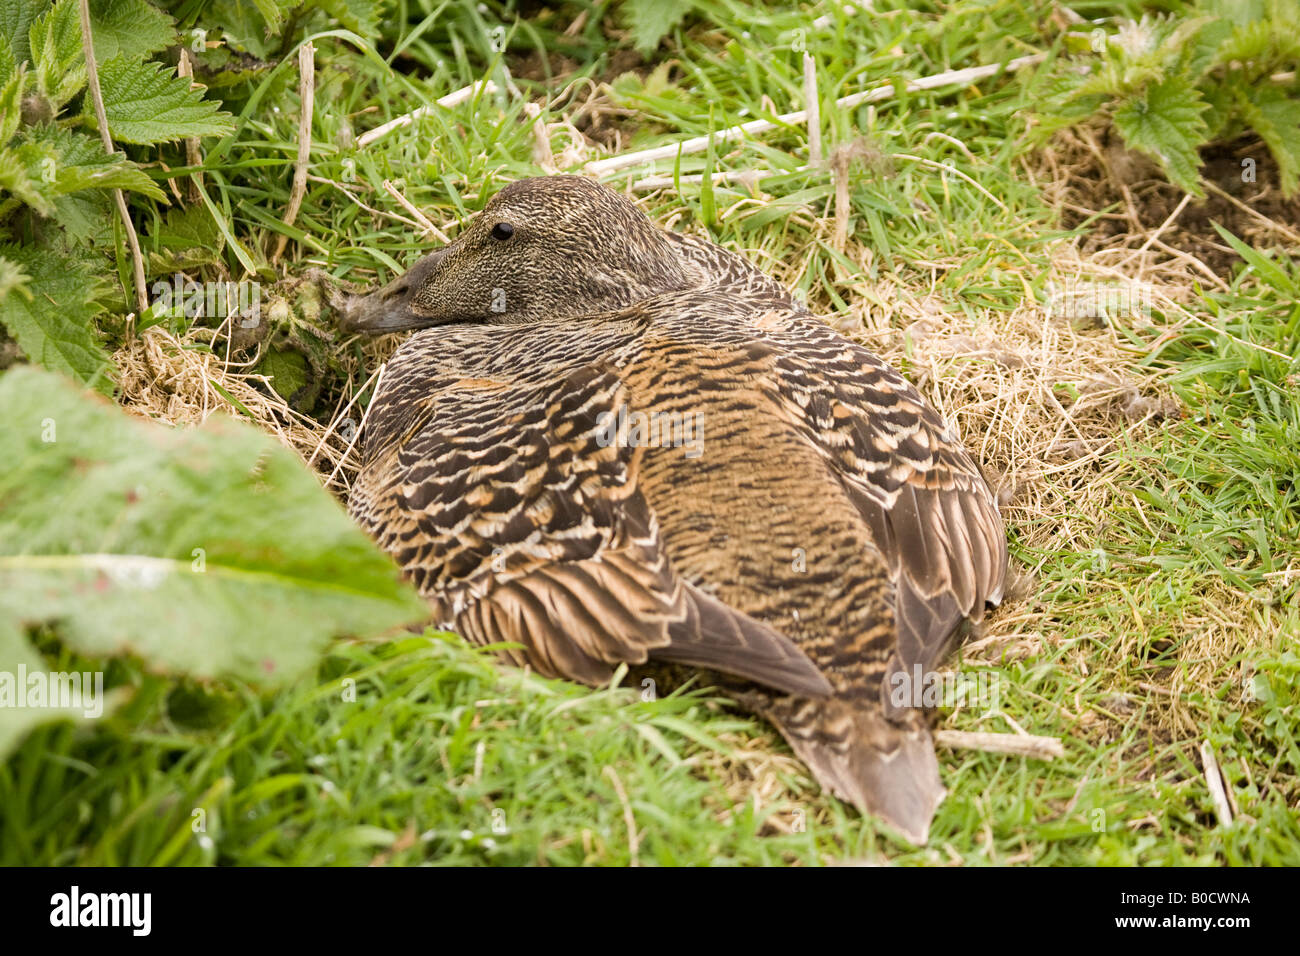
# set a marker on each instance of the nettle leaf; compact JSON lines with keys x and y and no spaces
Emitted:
{"x":146,"y":104}
{"x":11,"y":100}
{"x":13,"y":280}
{"x":1165,"y":122}
{"x":60,"y":65}
{"x":55,"y":327}
{"x":651,"y":20}
{"x":16,"y":18}
{"x":252,"y":27}
{"x":16,"y":178}
{"x":208,"y":551}
{"x":132,"y":28}
{"x":67,"y":162}
{"x":1276,"y":118}
{"x":359,"y":16}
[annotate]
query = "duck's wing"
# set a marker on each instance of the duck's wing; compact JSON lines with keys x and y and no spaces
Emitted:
{"x":508,"y":508}
{"x":930,"y":510}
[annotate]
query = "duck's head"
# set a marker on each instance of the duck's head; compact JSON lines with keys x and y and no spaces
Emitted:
{"x":543,"y":248}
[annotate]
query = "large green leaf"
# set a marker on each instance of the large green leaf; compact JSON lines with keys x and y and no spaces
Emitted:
{"x":54,"y":327}
{"x":61,"y":162}
{"x":1165,"y":122}
{"x":56,"y":53}
{"x":146,"y":104}
{"x":1276,"y":118}
{"x":16,"y":18}
{"x":132,"y":28}
{"x":207,"y":551}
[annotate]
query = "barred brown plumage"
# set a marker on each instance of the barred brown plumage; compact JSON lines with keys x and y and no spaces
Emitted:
{"x":624,"y":445}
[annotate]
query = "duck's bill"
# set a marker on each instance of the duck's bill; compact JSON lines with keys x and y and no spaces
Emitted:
{"x":391,"y":308}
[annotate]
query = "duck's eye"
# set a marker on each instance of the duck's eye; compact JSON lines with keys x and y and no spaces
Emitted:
{"x":503,"y":231}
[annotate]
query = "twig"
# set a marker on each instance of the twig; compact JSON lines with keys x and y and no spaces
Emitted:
{"x":307,"y":99}
{"x":1276,"y":226}
{"x":446,"y":102}
{"x":746,"y":177}
{"x":1214,"y":781}
{"x":882,"y":92}
{"x":97,"y":97}
{"x":379,"y":378}
{"x":1022,"y":745}
{"x":339,"y":417}
{"x":812,"y":106}
{"x":425,"y":223}
{"x":193,"y":157}
{"x":1160,"y":231}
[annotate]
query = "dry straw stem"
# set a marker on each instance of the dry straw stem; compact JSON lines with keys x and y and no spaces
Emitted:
{"x":193,"y":155}
{"x":307,"y":98}
{"x":1020,"y":745}
{"x":1214,"y":782}
{"x":698,"y":144}
{"x":451,"y":99}
{"x":423,"y":221}
{"x":812,"y":106}
{"x":97,"y":97}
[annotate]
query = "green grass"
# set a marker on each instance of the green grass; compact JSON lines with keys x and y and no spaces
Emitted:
{"x":1175,"y":621}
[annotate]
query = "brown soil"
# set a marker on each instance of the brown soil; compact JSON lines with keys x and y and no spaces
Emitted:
{"x":1108,"y":177}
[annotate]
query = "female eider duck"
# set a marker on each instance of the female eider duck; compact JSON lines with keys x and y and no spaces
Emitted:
{"x":614,"y":444}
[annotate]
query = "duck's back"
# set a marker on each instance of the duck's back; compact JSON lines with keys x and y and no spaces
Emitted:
{"x":709,"y":479}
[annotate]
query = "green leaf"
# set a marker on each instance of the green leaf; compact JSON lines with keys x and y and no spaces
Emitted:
{"x":59,"y":63}
{"x":131,"y":28}
{"x":67,"y":162}
{"x":359,"y":16}
{"x":16,"y":178}
{"x":55,"y":326}
{"x":207,"y":551}
{"x":651,"y":20}
{"x":16,"y":18}
{"x":11,"y":101}
{"x":1277,"y":120}
{"x":1165,"y":122}
{"x":146,"y":104}
{"x":13,"y":280}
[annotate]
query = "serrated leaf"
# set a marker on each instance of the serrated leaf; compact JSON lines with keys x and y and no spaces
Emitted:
{"x":132,"y":28}
{"x":1165,"y":122}
{"x":13,"y":280}
{"x":208,"y":551}
{"x":146,"y":104}
{"x":16,"y":178}
{"x":252,"y":27}
{"x":651,"y":20}
{"x":67,"y":162}
{"x":54,"y":328}
{"x":11,"y":102}
{"x":359,"y":16}
{"x":1276,"y":119}
{"x":16,"y":18}
{"x":57,"y":58}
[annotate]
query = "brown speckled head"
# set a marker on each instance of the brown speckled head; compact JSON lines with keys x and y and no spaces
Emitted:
{"x":543,"y":248}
